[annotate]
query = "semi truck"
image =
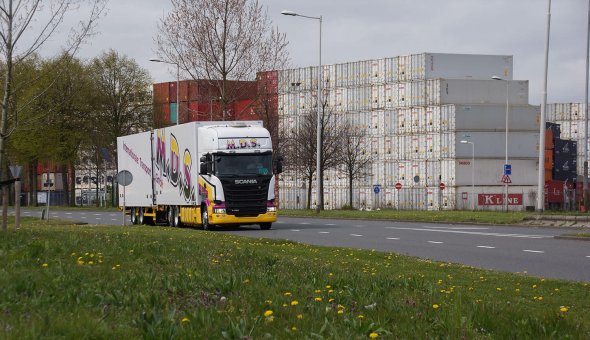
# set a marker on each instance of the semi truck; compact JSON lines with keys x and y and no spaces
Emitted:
{"x":203,"y":174}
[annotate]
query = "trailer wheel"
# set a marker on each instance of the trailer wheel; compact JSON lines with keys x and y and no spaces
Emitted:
{"x":205,"y":219}
{"x":141,"y":219}
{"x":133,"y":215}
{"x":177,"y":222}
{"x":170,"y":216}
{"x":265,"y":226}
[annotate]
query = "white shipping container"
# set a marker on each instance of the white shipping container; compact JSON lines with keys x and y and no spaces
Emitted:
{"x":391,"y":70}
{"x":465,"y":91}
{"x":455,"y":117}
{"x":378,"y":71}
{"x":490,"y":144}
{"x":490,"y":171}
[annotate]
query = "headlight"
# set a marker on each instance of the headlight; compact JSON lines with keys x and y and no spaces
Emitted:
{"x":219,"y":210}
{"x":271,"y":209}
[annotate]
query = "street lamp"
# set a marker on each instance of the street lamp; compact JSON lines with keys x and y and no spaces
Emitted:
{"x":541,"y":178}
{"x":156,"y":60}
{"x":506,"y":146}
{"x":472,"y":170}
{"x":319,"y":105}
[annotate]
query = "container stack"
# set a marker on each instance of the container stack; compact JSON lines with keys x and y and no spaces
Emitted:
{"x":413,"y":112}
{"x":561,"y":158}
{"x":570,"y":117}
{"x":199,"y":100}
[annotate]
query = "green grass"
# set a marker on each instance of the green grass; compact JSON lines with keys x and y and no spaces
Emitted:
{"x":581,"y":235}
{"x":423,"y":216}
{"x":64,"y":281}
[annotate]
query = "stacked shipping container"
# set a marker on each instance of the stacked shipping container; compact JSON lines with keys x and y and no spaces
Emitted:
{"x":200,"y":100}
{"x":414,"y":110}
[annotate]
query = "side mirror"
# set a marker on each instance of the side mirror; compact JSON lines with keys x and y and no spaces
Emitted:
{"x":203,"y":159}
{"x":203,"y":168}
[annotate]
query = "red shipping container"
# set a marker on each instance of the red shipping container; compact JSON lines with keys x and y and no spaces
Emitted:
{"x":172,"y":92}
{"x":244,"y":110}
{"x":161,"y":93}
{"x":184,"y":85}
{"x":183,"y":112}
{"x":193,"y":91}
{"x":548,"y":160}
{"x":548,"y":139}
{"x":193,"y":111}
{"x":43,"y":167}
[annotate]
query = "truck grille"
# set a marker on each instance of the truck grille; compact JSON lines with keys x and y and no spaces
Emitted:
{"x":245,"y":197}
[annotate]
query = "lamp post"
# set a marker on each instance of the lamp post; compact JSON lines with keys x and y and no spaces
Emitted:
{"x":156,"y":60}
{"x":541,"y":179}
{"x":472,"y":170}
{"x":506,"y":142}
{"x":319,"y":106}
{"x":15,"y":170}
{"x":585,"y":182}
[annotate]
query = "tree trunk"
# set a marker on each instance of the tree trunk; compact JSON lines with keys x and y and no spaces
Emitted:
{"x":350,"y":191}
{"x":65,"y":183}
{"x":309,"y":183}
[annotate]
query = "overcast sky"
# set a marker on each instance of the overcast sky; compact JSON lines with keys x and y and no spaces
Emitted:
{"x":360,"y":30}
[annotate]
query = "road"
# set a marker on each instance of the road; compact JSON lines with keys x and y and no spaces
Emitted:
{"x":505,"y":248}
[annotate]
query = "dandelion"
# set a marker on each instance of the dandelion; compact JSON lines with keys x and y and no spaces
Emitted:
{"x":268,"y":313}
{"x":331,"y":300}
{"x":185,"y":319}
{"x":360,"y":317}
{"x":246,"y":281}
{"x":499,"y":289}
{"x":90,"y":262}
{"x":318,"y":299}
{"x":563,"y":309}
{"x":285,"y":305}
{"x":294,"y":303}
{"x":318,"y":291}
{"x":45,"y":265}
{"x":373,"y":335}
{"x":328,"y":287}
{"x":294,"y":328}
{"x":299,"y":316}
{"x":341,"y":312}
{"x":534,"y":286}
{"x":287,"y":294}
{"x":435,"y":306}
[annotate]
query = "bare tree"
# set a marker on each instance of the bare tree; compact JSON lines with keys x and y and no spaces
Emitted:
{"x":224,"y":42}
{"x":354,"y":156}
{"x":25,"y":26}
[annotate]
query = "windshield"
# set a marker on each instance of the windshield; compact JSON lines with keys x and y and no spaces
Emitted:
{"x":243,"y":164}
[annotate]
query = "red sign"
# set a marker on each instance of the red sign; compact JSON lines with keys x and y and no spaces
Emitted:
{"x":506,"y":179}
{"x":442,"y":186}
{"x":398,"y":185}
{"x":498,"y":199}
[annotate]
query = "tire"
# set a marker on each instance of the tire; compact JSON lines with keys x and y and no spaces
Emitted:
{"x":170,"y":216}
{"x":133,"y":215}
{"x":265,"y":226}
{"x":177,"y":222}
{"x":141,"y":218}
{"x":205,"y":219}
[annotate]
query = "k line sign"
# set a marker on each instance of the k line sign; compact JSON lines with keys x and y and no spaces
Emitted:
{"x":498,"y":199}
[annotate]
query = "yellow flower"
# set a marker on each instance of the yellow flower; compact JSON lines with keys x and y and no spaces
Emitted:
{"x":246,"y":281}
{"x":285,"y":305}
{"x":318,"y":291}
{"x":185,"y":319}
{"x":331,"y":291}
{"x":287,"y":294}
{"x":341,"y":312}
{"x":373,"y":335}
{"x":435,"y":306}
{"x":268,"y":313}
{"x":45,"y":265}
{"x":294,"y":303}
{"x":299,"y":316}
{"x":361,"y":317}
{"x":268,"y":302}
{"x":534,"y":286}
{"x":90,"y":262}
{"x":318,"y":299}
{"x":293,"y":328}
{"x":331,"y":300}
{"x":269,"y":318}
{"x":563,"y":309}
{"x":499,"y":289}
{"x":328,"y":287}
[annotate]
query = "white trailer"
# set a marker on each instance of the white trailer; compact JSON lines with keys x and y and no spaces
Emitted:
{"x":200,"y":173}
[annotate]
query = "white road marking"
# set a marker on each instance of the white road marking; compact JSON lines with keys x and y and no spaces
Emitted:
{"x":323,"y":232}
{"x":359,"y":226}
{"x":356,"y":235}
{"x":68,"y":213}
{"x":84,"y":217}
{"x":114,"y":219}
{"x":329,"y":224}
{"x":471,"y":232}
{"x":486,"y":247}
{"x":393,"y":238}
{"x":533,"y":251}
{"x":303,"y":223}
{"x":280,"y":222}
{"x":435,"y":242}
{"x":295,"y":230}
{"x":588,"y":257}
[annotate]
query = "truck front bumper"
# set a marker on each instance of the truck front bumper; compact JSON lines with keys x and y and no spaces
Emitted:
{"x":269,"y":217}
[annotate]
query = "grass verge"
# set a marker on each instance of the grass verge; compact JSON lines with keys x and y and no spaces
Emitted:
{"x":153,"y":282}
{"x":421,"y":216}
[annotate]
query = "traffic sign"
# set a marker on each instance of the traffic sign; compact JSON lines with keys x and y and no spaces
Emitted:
{"x":398,"y":185}
{"x":376,"y":188}
{"x":507,"y":169}
{"x":506,"y":179}
{"x":124,"y":178}
{"x":442,"y":186}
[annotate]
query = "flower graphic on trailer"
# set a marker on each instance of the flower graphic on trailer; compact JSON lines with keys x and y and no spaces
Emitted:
{"x":186,"y":187}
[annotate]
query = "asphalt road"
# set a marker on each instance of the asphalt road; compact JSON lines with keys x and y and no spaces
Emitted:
{"x":506,"y":248}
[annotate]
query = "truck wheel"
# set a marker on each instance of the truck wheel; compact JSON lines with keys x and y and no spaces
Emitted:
{"x":265,"y":226}
{"x":205,"y":219}
{"x":141,"y":218}
{"x":133,"y":215}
